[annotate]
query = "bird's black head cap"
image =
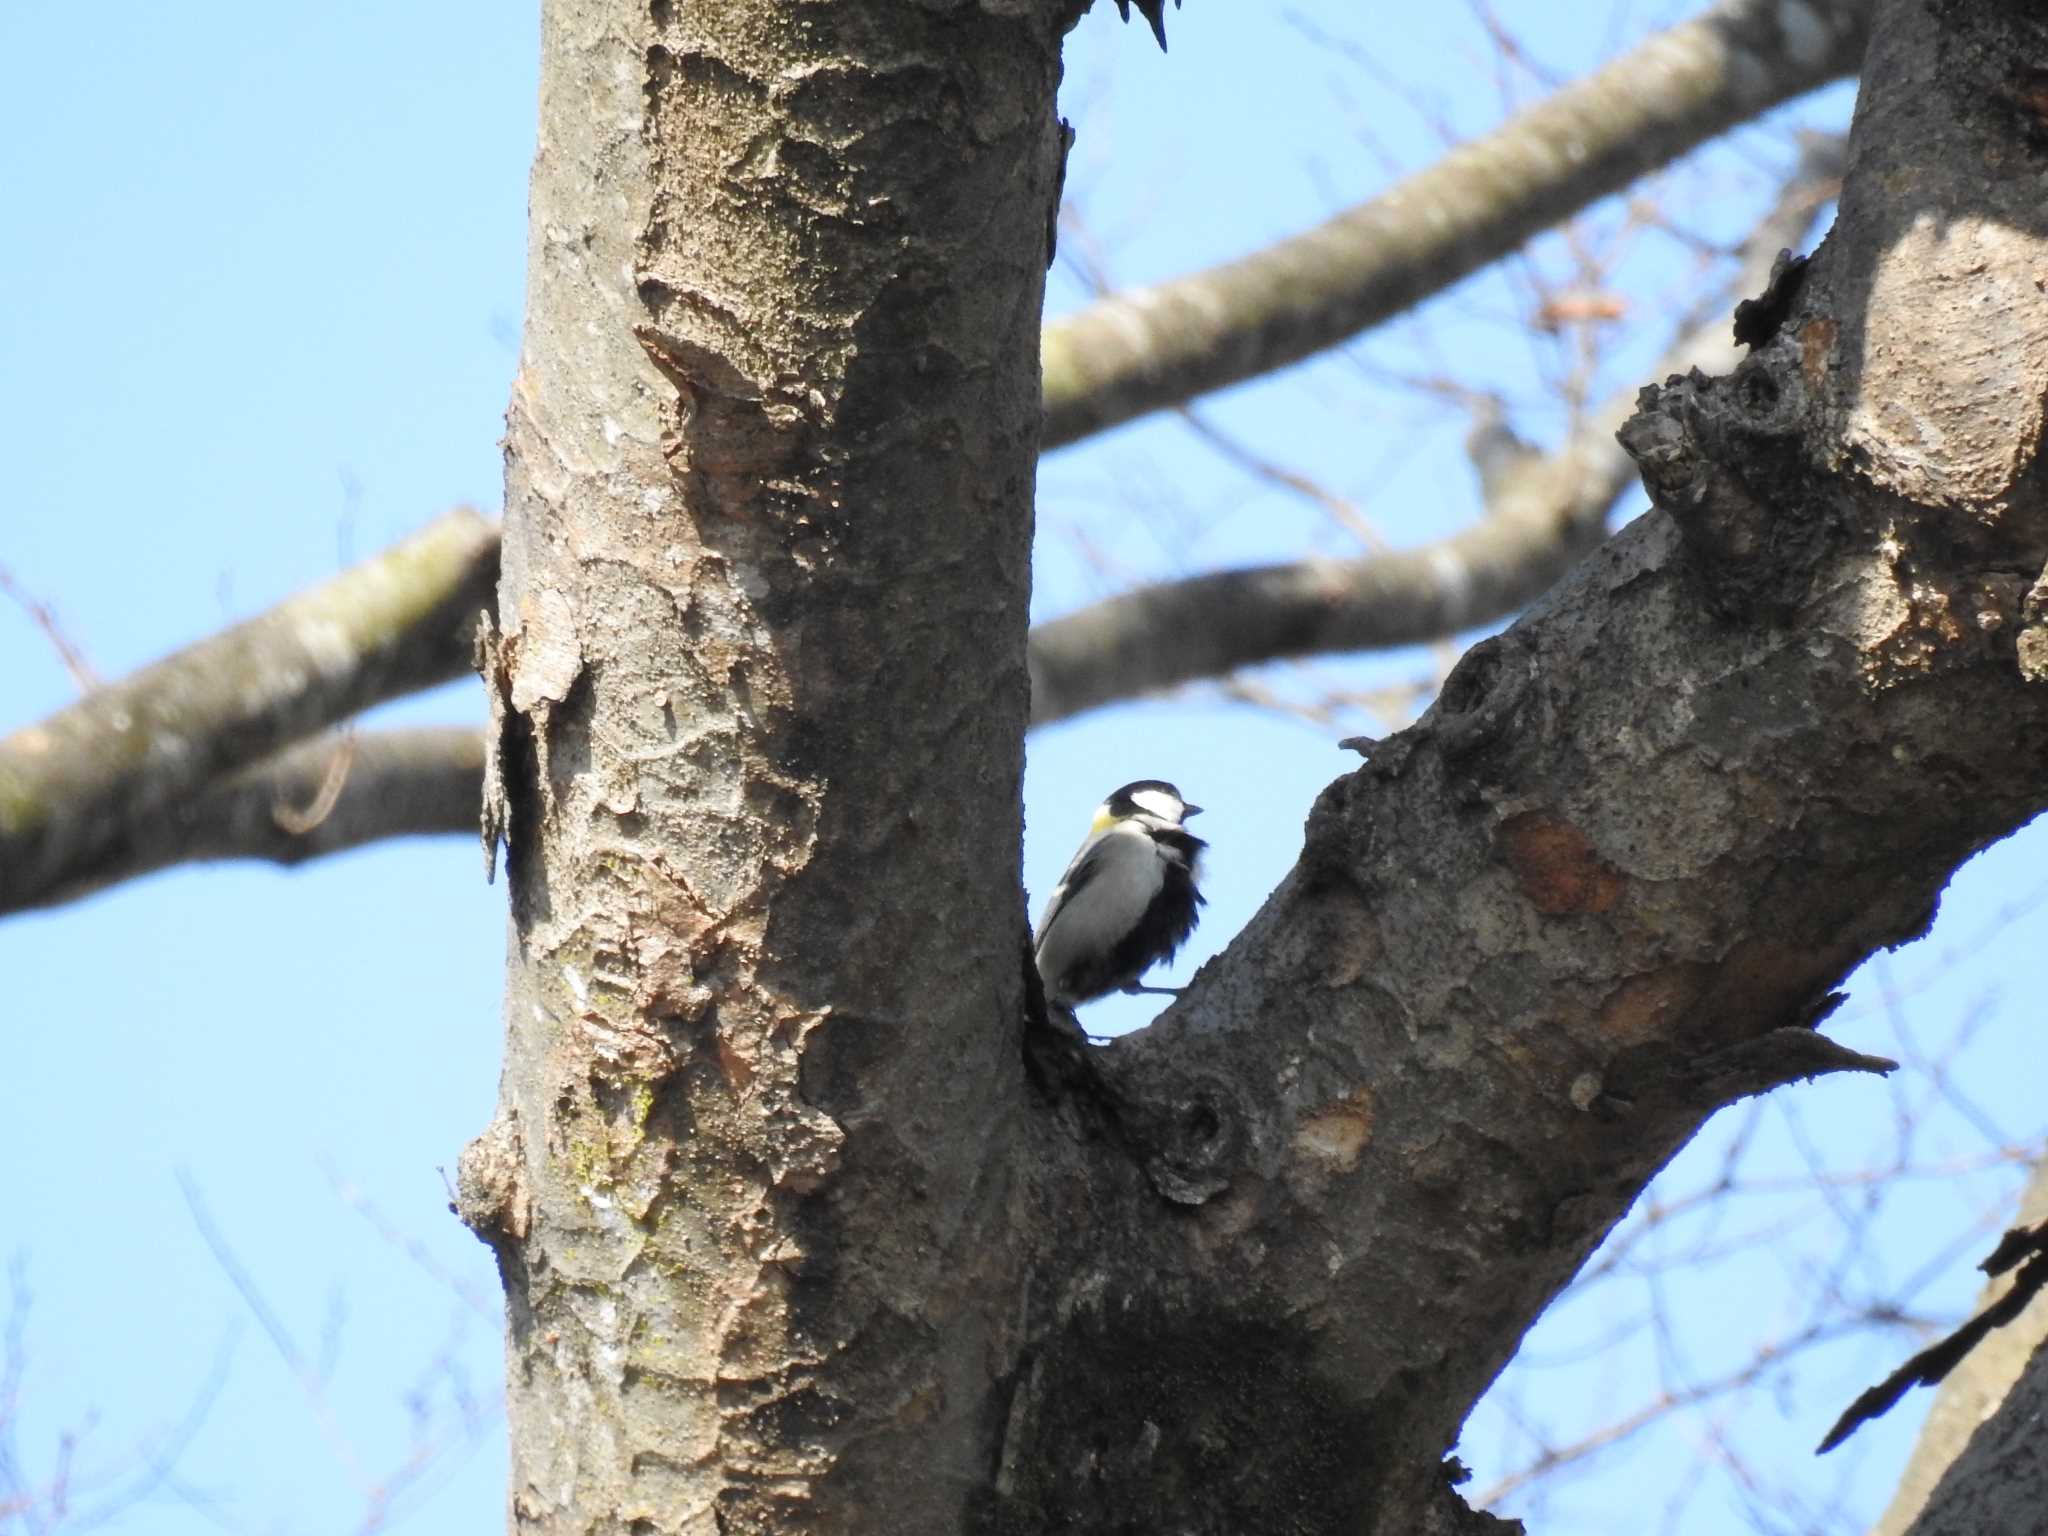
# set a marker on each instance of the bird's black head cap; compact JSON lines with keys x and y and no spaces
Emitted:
{"x":1125,"y":802}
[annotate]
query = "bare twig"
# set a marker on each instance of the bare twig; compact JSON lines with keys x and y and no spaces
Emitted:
{"x":64,"y":1497}
{"x":1342,"y":511}
{"x":1932,"y":1365}
{"x":302,"y":1373}
{"x":385,"y":1496}
{"x":1972,"y":1391}
{"x":489,"y":1310}
{"x":44,"y":617}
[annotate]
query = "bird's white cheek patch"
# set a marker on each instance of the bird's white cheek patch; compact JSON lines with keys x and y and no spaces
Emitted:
{"x":1160,"y":805}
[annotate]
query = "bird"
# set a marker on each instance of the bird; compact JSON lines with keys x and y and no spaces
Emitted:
{"x":1127,"y":900}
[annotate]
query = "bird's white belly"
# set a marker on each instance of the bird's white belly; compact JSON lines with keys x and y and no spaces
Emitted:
{"x":1107,"y":906}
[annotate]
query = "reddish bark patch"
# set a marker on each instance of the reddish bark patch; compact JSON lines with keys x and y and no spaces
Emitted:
{"x":1557,"y":866}
{"x":1816,"y":349}
{"x":1641,"y":1007}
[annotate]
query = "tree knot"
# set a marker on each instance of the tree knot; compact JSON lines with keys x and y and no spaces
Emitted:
{"x":1479,"y":711}
{"x":491,"y":1194}
{"x":1190,"y":1140}
{"x":1724,"y":458}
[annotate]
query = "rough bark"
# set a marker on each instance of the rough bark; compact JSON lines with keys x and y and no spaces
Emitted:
{"x":762,"y":697}
{"x":1152,"y":347}
{"x":1610,"y":880}
{"x":796,"y":1237}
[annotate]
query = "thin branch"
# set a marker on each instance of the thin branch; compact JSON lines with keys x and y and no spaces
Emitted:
{"x":1668,"y":1401}
{"x":295,"y":1362}
{"x":44,"y":617}
{"x":1342,"y":511}
{"x":1155,"y":347}
{"x":1998,"y":1479}
{"x":1932,"y":1365}
{"x":1204,"y":626}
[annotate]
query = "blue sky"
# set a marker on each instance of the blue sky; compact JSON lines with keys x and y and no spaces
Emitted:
{"x":264,"y":305}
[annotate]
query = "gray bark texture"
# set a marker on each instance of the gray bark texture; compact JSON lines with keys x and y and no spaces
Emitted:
{"x":808,"y":1220}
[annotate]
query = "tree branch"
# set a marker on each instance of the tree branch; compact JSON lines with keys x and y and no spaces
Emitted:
{"x":83,"y":780}
{"x":1543,"y":514}
{"x":1153,"y":347}
{"x":1980,"y":1468}
{"x":398,"y":783}
{"x":1612,"y":878}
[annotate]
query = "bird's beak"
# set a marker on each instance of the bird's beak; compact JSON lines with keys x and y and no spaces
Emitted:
{"x":1189,"y":810}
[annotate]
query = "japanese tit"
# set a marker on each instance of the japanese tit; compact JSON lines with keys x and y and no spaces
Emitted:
{"x":1127,"y":900}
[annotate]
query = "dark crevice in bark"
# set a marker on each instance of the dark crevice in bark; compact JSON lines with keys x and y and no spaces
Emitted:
{"x":1134,"y":1415}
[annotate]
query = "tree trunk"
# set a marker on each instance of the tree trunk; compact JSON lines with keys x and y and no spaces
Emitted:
{"x":763,"y":697}
{"x":808,"y":1220}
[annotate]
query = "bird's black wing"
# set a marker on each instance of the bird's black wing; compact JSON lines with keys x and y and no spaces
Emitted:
{"x":1086,"y":866}
{"x":1168,"y":918}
